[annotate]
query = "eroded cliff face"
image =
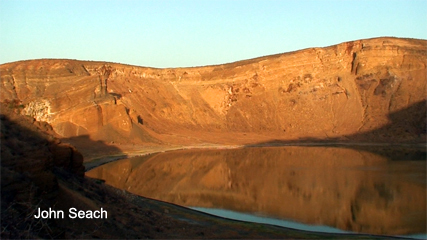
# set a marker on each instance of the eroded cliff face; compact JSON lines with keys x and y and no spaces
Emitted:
{"x":341,"y":92}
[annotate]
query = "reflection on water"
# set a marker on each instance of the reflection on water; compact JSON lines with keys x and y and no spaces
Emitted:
{"x":348,"y":189}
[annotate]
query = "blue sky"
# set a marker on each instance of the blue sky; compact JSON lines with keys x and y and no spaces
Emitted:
{"x":195,"y":33}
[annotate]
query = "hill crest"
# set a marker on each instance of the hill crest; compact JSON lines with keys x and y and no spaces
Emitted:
{"x":343,"y":92}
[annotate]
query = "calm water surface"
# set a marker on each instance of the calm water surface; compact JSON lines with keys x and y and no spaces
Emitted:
{"x":371,"y":190}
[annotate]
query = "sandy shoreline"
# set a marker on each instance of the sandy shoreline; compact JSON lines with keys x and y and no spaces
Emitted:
{"x":129,"y":152}
{"x":92,"y":163}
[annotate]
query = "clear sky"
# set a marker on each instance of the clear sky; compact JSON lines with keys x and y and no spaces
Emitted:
{"x":180,"y":33}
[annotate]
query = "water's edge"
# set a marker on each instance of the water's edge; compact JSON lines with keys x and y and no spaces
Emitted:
{"x":247,"y":217}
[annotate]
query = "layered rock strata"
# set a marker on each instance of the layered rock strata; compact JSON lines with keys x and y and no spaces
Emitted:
{"x":341,"y":92}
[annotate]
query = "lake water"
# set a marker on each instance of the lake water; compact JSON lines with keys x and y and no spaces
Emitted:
{"x":375,"y":190}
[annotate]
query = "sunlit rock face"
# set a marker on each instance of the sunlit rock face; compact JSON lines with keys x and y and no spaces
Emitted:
{"x":341,"y":92}
{"x":345,"y":188}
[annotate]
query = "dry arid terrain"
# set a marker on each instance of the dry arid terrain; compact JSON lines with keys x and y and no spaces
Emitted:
{"x":57,"y":114}
{"x":370,"y":90}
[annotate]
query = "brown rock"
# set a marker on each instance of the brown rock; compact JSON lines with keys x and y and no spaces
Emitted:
{"x":29,"y":150}
{"x":337,"y":92}
{"x":67,"y":157}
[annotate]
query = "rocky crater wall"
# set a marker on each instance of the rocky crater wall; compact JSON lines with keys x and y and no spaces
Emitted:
{"x":339,"y":93}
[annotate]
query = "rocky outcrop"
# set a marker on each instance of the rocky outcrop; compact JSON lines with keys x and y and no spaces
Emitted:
{"x":336,"y":92}
{"x":21,"y":140}
{"x":29,"y":154}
